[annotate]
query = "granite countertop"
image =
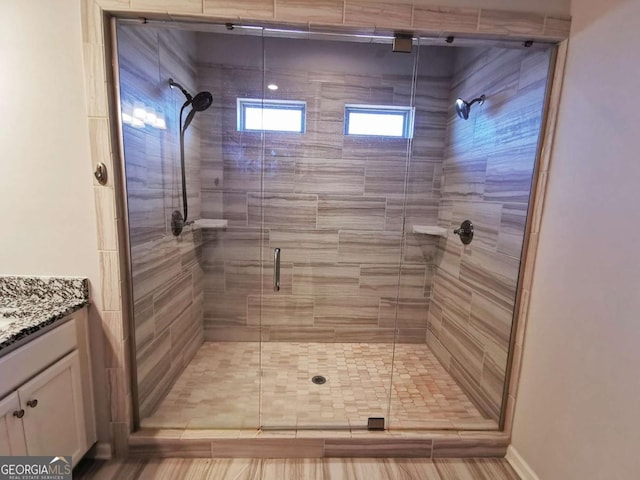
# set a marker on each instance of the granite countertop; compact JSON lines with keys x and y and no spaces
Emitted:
{"x":31,"y":305}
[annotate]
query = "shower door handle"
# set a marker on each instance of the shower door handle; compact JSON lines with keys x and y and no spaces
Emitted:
{"x":276,"y":269}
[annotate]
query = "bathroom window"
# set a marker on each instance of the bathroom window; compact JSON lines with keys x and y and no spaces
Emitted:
{"x":378,"y":120}
{"x":258,"y":115}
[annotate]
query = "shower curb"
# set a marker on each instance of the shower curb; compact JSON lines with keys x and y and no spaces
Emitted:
{"x":178,"y":443}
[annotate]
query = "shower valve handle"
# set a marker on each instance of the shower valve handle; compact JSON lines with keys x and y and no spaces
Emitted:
{"x":465,"y":231}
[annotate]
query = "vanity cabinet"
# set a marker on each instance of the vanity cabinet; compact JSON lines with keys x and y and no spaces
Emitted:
{"x":50,"y":410}
{"x":12,"y":440}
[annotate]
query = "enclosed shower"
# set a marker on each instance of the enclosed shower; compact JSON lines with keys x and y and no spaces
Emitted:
{"x":332,"y":237}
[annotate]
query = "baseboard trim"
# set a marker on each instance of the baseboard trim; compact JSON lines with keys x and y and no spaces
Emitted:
{"x":522,"y":468}
{"x":102,"y":451}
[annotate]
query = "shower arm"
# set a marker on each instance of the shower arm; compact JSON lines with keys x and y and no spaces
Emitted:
{"x":479,"y":100}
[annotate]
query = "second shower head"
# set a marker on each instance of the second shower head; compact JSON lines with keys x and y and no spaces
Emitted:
{"x":463,"y":107}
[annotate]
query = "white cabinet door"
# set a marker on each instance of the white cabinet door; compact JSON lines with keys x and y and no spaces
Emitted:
{"x":12,"y":440}
{"x":54,"y":413}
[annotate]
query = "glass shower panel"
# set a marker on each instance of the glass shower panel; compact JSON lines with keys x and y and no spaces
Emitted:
{"x":196,"y":348}
{"x":332,"y":209}
{"x":230,"y":67}
{"x":479,"y":169}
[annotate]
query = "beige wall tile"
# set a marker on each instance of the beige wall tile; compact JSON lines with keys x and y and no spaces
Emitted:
{"x":110,"y":280}
{"x":95,"y":80}
{"x":439,"y":351}
{"x":116,"y":390}
{"x":350,"y":212}
{"x":268,"y":448}
{"x":369,"y":247}
{"x":326,"y":279}
{"x":327,"y":176}
{"x":512,"y":226}
{"x":469,"y":447}
{"x":490,"y":324}
{"x":120,"y":438}
{"x":382,"y":280}
{"x":499,"y":22}
{"x":172,"y":300}
{"x":255,"y":9}
{"x":383,"y":447}
{"x":277,"y":333}
{"x":305,"y":11}
{"x":105,"y":218}
{"x":146,"y":447}
{"x":455,"y":337}
{"x":92,"y":22}
{"x":450,"y":251}
{"x":236,"y":244}
{"x":557,"y":27}
{"x":280,"y":310}
{"x":117,"y":4}
{"x":341,"y":310}
{"x":225,"y":310}
{"x":114,"y":338}
{"x":493,"y":377}
{"x":492,"y":274}
{"x":405,"y":313}
{"x":231,"y":334}
{"x":443,"y":19}
{"x":282,"y":210}
{"x":365,"y":334}
{"x":379,"y":14}
{"x":173,"y":6}
{"x":304,"y":246}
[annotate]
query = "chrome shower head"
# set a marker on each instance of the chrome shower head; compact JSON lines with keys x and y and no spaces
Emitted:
{"x":463,"y":107}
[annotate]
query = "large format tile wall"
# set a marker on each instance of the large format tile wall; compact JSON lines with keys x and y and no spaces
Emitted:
{"x":332,"y":203}
{"x":487,"y":179}
{"x":167,"y":277}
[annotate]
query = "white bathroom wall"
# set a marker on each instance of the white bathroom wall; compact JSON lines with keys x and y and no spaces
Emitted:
{"x":46,"y":202}
{"x":47,"y":215}
{"x":577,"y":414}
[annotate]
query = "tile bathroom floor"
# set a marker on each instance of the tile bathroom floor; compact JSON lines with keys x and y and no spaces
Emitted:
{"x":221,"y":388}
{"x":308,"y":469}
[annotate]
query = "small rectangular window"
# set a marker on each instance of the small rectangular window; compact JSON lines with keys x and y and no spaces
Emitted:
{"x":257,"y":115}
{"x":378,"y":120}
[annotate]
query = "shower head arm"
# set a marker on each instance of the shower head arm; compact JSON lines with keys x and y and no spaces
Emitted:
{"x":479,"y":100}
{"x":187,"y":95}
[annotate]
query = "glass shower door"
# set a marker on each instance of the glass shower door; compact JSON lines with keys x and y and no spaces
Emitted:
{"x":332,"y":211}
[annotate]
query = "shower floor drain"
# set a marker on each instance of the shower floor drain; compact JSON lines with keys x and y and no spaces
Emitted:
{"x":319,"y":380}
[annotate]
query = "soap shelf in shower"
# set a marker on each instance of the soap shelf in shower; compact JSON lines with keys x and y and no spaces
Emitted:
{"x":430,"y":230}
{"x":210,"y":223}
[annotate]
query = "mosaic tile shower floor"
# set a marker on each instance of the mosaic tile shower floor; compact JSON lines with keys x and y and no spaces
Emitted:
{"x":221,"y":388}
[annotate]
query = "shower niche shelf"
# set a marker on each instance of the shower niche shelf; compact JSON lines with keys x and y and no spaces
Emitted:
{"x":211,"y":223}
{"x":430,"y":230}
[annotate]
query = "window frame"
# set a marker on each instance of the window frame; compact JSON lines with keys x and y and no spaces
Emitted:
{"x":407,"y":113}
{"x":268,"y":103}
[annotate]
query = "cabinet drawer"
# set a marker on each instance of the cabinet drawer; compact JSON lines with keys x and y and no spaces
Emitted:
{"x":27,"y":361}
